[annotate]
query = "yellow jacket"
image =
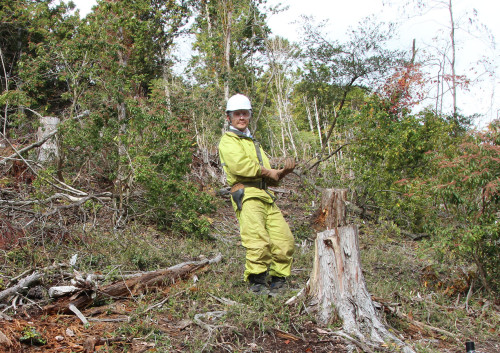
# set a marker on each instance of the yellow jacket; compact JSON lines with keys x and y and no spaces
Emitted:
{"x":238,"y":156}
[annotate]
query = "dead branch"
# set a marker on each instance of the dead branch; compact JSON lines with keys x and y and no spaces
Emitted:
{"x":209,"y":316}
{"x":160,"y":304}
{"x":116,"y":319}
{"x":21,"y":287}
{"x":421,"y":325}
{"x":132,"y":286}
{"x":78,"y":313}
{"x":327,"y":157}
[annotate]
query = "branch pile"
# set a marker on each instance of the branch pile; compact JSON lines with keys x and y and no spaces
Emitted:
{"x":82,"y":293}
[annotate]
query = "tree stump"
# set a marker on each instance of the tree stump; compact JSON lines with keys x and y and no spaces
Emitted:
{"x":336,"y":288}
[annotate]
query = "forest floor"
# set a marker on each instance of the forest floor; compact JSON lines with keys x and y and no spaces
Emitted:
{"x":213,"y":311}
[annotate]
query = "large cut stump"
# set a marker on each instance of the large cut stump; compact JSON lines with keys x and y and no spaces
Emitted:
{"x":336,"y":288}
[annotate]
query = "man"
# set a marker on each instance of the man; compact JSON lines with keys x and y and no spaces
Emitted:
{"x":264,"y":232}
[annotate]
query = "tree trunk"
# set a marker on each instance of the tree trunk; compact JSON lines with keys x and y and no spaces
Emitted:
{"x":453,"y":58}
{"x":227,"y":7}
{"x":48,"y":151}
{"x":337,"y":280}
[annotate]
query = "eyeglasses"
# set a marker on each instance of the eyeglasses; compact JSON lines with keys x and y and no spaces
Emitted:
{"x":243,"y":113}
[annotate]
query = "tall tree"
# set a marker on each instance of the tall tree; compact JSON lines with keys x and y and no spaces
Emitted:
{"x":283,"y":59}
{"x":29,"y":33}
{"x":229,"y":36}
{"x":361,"y":61}
{"x":126,"y":41}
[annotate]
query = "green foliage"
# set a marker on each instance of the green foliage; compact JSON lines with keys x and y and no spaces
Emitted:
{"x":332,"y":69}
{"x":160,"y":153}
{"x":31,"y":336}
{"x":243,"y":23}
{"x":463,"y":201}
{"x":386,"y":150}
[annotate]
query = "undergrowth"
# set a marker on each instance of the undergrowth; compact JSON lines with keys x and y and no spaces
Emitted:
{"x":398,"y":272}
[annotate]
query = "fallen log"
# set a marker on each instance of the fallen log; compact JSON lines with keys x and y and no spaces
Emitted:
{"x":130,"y":287}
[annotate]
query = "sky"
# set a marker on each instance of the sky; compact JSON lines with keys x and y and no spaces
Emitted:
{"x":483,"y":95}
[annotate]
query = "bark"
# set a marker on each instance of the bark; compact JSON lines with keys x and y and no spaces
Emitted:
{"x":316,"y":114}
{"x":337,"y":280}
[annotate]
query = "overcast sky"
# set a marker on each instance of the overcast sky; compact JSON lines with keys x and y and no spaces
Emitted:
{"x":483,"y":97}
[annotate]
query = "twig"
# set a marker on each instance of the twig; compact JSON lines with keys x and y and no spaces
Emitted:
{"x":469,"y":294}
{"x":299,"y":295}
{"x":224,"y":301}
{"x":157,"y":305}
{"x":19,"y":276}
{"x":421,"y":325}
{"x":209,"y":315}
{"x":119,"y":319}
{"x":78,"y":313}
{"x":287,"y":335}
{"x":326,"y":158}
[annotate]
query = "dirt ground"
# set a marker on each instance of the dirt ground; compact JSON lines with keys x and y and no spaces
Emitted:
{"x":67,"y":334}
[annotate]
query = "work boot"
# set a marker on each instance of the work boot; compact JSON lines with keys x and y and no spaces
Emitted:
{"x":258,"y":283}
{"x":278,"y":285}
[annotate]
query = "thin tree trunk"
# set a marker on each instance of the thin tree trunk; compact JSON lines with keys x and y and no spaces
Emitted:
{"x":121,"y":184}
{"x":228,"y":10}
{"x":6,"y":78}
{"x":316,"y":114}
{"x":306,"y":104}
{"x":453,"y":53}
{"x":166,"y":87}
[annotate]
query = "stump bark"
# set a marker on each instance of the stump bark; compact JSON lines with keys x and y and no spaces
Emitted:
{"x":337,"y":288}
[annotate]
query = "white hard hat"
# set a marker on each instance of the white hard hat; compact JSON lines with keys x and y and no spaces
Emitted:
{"x":237,"y":102}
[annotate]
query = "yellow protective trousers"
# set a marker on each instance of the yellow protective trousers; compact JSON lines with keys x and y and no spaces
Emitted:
{"x":267,"y":238}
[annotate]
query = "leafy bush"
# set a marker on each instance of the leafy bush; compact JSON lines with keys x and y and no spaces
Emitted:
{"x":384,"y":150}
{"x":463,"y":201}
{"x":161,"y":155}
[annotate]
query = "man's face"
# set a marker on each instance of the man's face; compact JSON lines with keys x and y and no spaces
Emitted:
{"x":239,"y":119}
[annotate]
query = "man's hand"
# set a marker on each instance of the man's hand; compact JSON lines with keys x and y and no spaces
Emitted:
{"x":273,"y":174}
{"x":289,"y":167}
